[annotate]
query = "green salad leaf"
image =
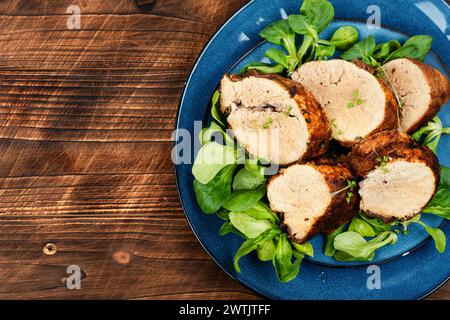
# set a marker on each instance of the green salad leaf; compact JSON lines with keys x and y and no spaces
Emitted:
{"x":223,"y":214}
{"x":252,"y":244}
{"x":278,"y":57}
{"x":440,"y":204}
{"x":247,"y":180}
{"x":361,"y":51}
{"x":212,"y":196}
{"x":250,"y":177}
{"x":317,"y":15}
{"x":324,"y":52}
{"x":282,"y":261}
{"x":344,"y":38}
{"x":437,"y":234}
{"x":314,"y":17}
{"x":362,"y":227}
{"x":329,"y":243}
{"x":228,"y":227}
{"x":261,"y":211}
{"x":416,"y":47}
{"x":304,"y":248}
{"x":281,"y":33}
{"x":208,"y":133}
{"x":432,"y":133}
{"x":377,"y":225}
{"x":356,"y":248}
{"x":266,"y":250}
{"x":383,"y":50}
{"x":242,"y":200}
{"x":319,"y":12}
{"x":215,"y":133}
{"x":445,"y":178}
{"x":248,"y":225}
{"x":263,"y":68}
{"x":215,"y":110}
{"x":212,"y":158}
{"x":303,"y":25}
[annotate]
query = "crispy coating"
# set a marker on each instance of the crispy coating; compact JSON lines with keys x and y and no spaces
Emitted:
{"x":396,"y":145}
{"x":440,"y":93}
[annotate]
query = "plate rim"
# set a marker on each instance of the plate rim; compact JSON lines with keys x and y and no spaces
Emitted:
{"x":177,"y":126}
{"x":177,"y":167}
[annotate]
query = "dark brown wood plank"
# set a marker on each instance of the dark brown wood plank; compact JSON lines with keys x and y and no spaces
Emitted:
{"x":86,"y":118}
{"x":206,"y":11}
{"x":134,"y":257}
{"x":114,"y":76}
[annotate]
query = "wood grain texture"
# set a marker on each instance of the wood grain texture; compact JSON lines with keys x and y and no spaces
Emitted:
{"x":86,"y":118}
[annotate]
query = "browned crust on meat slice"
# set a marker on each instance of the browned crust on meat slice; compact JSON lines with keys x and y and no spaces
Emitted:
{"x":391,"y":114}
{"x":315,"y":118}
{"x":364,"y":66}
{"x":396,"y":145}
{"x":338,"y":212}
{"x":440,"y":93}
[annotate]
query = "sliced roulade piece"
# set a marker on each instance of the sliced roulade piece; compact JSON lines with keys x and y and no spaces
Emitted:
{"x":274,"y":118}
{"x":422,"y":90}
{"x":313,"y":198}
{"x":356,"y":102}
{"x":400,"y":176}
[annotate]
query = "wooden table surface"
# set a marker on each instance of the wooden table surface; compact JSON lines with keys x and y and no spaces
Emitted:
{"x":86,"y":118}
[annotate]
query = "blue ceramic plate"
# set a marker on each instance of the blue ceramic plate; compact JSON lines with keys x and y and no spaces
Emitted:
{"x":409,"y":270}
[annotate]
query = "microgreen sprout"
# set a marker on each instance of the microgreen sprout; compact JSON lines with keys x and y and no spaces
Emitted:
{"x":349,"y":197}
{"x":356,"y":99}
{"x":351,"y":184}
{"x":382,"y":163}
{"x":288,"y":111}
{"x":268,"y":123}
